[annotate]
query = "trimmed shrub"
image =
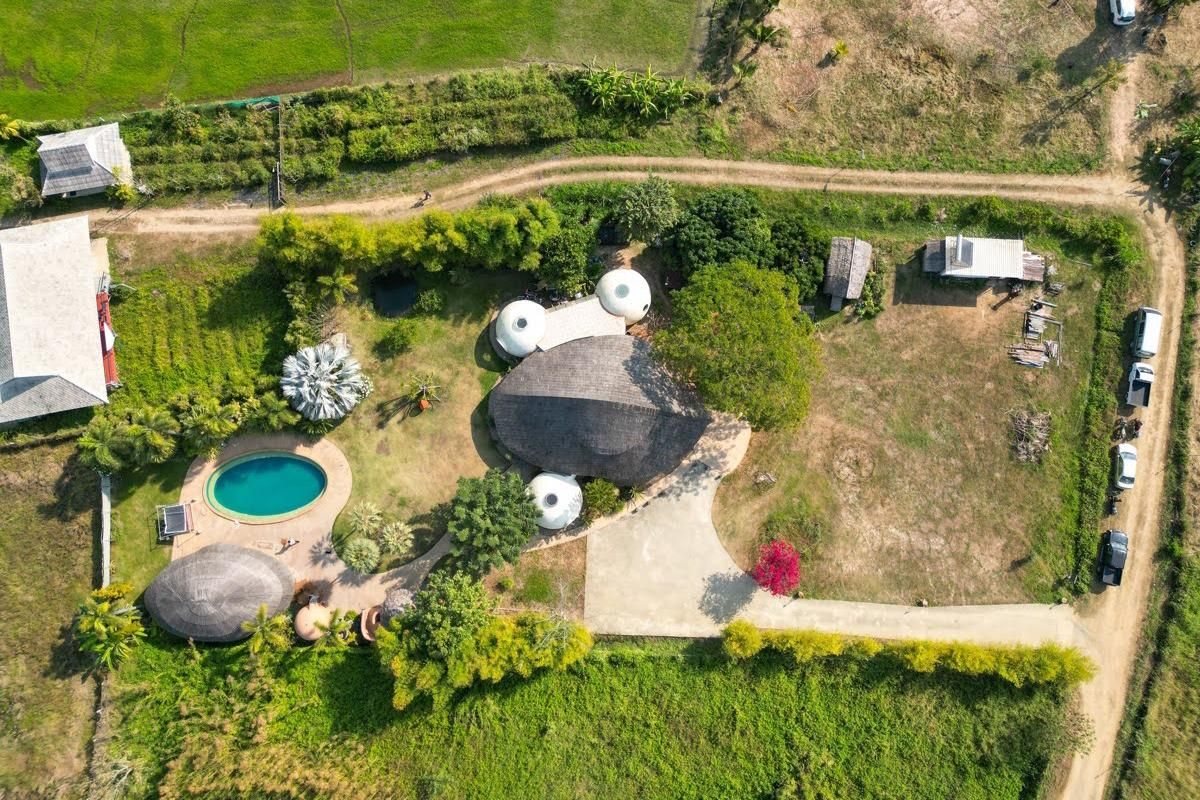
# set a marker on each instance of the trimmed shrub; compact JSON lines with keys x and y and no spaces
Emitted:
{"x":804,"y":646}
{"x":399,"y":337}
{"x":430,"y":301}
{"x":778,"y":568}
{"x":741,"y":640}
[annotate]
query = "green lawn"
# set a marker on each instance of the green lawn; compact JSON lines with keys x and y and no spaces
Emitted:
{"x":658,"y":720}
{"x":77,"y":57}
{"x":48,"y":525}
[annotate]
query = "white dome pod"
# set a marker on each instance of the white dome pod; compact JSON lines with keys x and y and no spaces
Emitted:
{"x":624,"y":293}
{"x":520,"y":325}
{"x":558,"y":497}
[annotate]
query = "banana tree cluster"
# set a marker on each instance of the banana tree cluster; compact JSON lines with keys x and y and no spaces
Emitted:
{"x":646,"y":95}
{"x":324,"y":382}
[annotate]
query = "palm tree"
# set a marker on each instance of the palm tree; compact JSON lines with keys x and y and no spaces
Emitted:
{"x":271,"y":412}
{"x":151,"y":435}
{"x":108,"y":630}
{"x":323,"y":382}
{"x":365,"y":519}
{"x":337,"y":287}
{"x":207,"y":423}
{"x":267,"y":634}
{"x":337,"y":634}
{"x":103,"y":444}
{"x":10,"y":128}
{"x":744,"y":69}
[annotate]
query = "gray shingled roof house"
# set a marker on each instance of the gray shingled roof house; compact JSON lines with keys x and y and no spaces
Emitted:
{"x":971,"y":258}
{"x":847,"y":268}
{"x":51,"y":354}
{"x":207,"y":595}
{"x":600,"y":407}
{"x":85,"y":161}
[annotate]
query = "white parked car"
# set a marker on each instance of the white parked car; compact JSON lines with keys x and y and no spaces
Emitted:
{"x":1125,"y":466}
{"x":1123,"y":11}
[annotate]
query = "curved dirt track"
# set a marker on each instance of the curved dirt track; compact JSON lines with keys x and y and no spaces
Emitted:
{"x":1112,"y":620}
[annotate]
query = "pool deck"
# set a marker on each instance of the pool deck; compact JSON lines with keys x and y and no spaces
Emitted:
{"x":313,"y":558}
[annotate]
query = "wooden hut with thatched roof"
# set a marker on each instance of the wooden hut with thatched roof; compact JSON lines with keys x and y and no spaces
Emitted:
{"x":206,"y":596}
{"x":601,"y":407}
{"x":847,"y":268}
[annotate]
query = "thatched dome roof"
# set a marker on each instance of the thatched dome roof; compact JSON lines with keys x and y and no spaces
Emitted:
{"x":600,"y":407}
{"x":519,"y":327}
{"x":624,"y":293}
{"x":207,"y":595}
{"x":558,"y":497}
{"x":396,"y":602}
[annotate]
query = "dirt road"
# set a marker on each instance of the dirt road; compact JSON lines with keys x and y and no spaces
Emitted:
{"x":1113,"y":620}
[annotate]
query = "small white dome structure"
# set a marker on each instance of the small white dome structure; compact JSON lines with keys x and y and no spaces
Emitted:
{"x":624,"y":293}
{"x":558,"y":497}
{"x":520,"y":325}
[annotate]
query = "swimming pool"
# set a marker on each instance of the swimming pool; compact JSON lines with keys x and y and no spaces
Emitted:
{"x":265,"y":487}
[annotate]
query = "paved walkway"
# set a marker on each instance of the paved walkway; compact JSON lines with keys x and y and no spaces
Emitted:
{"x":311,"y":560}
{"x":663,"y":572}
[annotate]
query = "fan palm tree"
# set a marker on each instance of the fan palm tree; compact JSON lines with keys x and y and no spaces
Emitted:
{"x":323,"y":382}
{"x":337,"y":286}
{"x":151,"y":435}
{"x":338,"y":633}
{"x":267,"y":634}
{"x":102,"y":445}
{"x":365,"y":519}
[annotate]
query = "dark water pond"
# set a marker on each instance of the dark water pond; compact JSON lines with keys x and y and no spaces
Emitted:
{"x":393,"y":294}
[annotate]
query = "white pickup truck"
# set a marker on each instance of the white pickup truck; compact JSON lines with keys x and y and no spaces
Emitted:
{"x":1141,"y":379}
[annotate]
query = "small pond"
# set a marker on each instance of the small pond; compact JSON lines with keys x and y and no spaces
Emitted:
{"x":265,"y":487}
{"x":393,"y":294}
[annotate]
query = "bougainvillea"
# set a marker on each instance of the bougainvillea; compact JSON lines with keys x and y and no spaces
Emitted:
{"x":778,"y":568}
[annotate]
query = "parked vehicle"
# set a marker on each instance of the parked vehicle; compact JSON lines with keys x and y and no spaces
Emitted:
{"x":1123,"y":12}
{"x":1114,"y":552}
{"x":1124,"y":466}
{"x":1141,"y":379}
{"x":1147,"y":330}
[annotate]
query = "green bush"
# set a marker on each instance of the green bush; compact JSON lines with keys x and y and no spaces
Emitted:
{"x":1016,"y":664}
{"x":564,"y":258}
{"x":870,"y":302}
{"x":107,"y":627}
{"x":600,"y":498}
{"x":647,"y":210}
{"x":399,"y":337}
{"x":430,"y":301}
{"x":490,"y":519}
{"x":446,"y":614}
{"x":800,"y":252}
{"x":361,"y":555}
{"x":722,"y":226}
{"x":740,"y":640}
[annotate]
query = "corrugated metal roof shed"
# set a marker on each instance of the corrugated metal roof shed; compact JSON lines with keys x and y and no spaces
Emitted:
{"x":83,"y":161}
{"x":847,"y":268}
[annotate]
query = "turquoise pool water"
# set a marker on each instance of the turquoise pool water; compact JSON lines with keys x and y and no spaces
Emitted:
{"x":262,"y":487}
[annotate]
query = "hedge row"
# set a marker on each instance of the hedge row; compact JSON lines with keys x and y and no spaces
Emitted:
{"x":1016,"y":664}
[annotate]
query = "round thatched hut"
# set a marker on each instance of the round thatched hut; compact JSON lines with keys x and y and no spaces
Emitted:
{"x":207,"y":595}
{"x":601,"y":407}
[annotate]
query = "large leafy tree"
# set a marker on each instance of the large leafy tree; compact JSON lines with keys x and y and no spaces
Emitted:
{"x":491,"y":518}
{"x":447,"y":613}
{"x":739,"y":336}
{"x":721,"y":226}
{"x":647,"y":210}
{"x":800,"y":253}
{"x":564,"y":263}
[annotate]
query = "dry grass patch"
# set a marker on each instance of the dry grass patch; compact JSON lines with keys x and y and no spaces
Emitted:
{"x":901,"y":484}
{"x":47,"y":534}
{"x":967,"y":84}
{"x":549,"y":580}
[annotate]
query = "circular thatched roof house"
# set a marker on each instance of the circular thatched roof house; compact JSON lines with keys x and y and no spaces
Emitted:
{"x":601,"y":407}
{"x":558,"y":497}
{"x":624,"y":293}
{"x":207,"y":595}
{"x":519,"y":327}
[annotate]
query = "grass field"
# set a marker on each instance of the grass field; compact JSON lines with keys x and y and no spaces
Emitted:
{"x":660,"y":720}
{"x":78,"y":57}
{"x":47,"y":551}
{"x":901,"y":484}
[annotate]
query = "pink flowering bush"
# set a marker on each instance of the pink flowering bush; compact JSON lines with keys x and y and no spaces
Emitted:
{"x":778,"y":568}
